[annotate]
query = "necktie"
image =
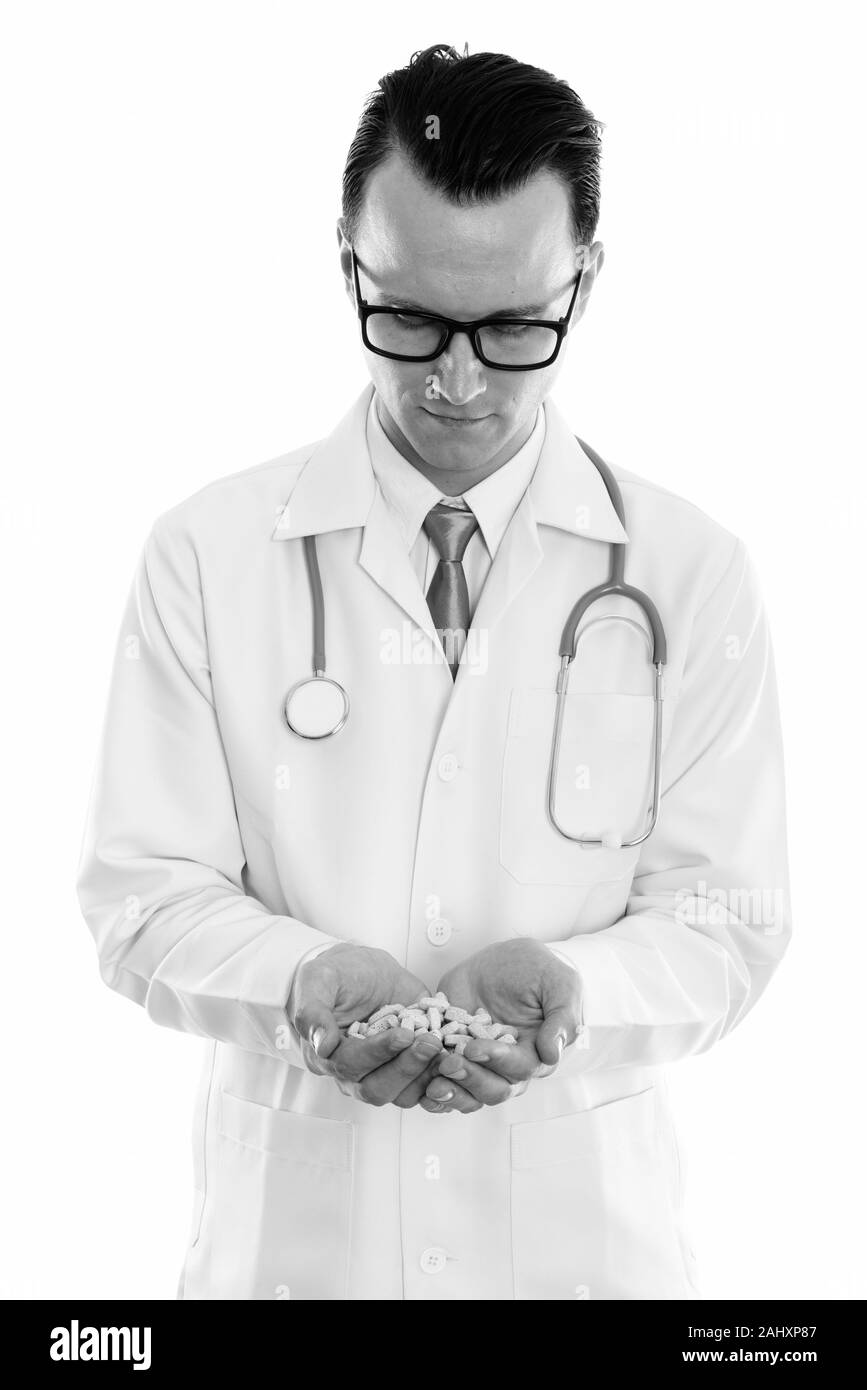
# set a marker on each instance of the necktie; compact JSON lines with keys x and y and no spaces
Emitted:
{"x":447,"y":598}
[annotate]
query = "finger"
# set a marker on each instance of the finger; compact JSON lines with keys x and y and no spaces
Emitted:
{"x":356,"y":1057}
{"x":512,"y":1061}
{"x":452,"y":1097}
{"x":433,"y":1107}
{"x":485,"y":1085}
{"x":557,"y":1031}
{"x":388,"y":1081}
{"x":412,"y":1094}
{"x":318,"y":1027}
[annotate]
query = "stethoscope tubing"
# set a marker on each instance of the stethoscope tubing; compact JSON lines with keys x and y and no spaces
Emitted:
{"x":318,"y":601}
{"x":614,"y":586}
{"x":653,"y":810}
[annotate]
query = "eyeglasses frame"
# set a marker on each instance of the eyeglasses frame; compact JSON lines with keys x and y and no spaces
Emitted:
{"x":471,"y":327}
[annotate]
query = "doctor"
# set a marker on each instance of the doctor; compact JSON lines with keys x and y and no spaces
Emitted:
{"x":261,"y":890}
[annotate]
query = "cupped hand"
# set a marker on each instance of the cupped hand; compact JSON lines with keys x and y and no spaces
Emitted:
{"x":349,"y":982}
{"x":522,"y":984}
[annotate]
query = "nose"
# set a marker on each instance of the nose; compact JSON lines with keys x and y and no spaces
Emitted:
{"x":460,"y":374}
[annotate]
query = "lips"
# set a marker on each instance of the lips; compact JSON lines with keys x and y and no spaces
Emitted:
{"x":456,"y":419}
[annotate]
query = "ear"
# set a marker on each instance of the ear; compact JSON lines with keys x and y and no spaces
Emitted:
{"x":594,"y":259}
{"x":345,"y":254}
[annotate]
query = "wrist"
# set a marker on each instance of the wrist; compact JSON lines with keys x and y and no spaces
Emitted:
{"x":561,"y":955}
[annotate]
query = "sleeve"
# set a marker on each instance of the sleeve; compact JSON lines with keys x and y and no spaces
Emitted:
{"x":707,"y":921}
{"x":160,"y":874}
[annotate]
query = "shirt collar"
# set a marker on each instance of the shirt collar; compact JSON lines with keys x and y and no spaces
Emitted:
{"x":333,"y":485}
{"x":409,"y":495}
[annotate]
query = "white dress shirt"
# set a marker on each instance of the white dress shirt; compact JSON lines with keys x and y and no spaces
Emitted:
{"x":410,"y":496}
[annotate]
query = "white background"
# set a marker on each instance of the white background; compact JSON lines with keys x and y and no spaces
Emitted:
{"x":171,"y":175}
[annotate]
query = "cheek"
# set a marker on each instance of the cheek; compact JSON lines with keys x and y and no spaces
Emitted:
{"x":397,"y":382}
{"x":516,"y":395}
{"x":548,"y":376}
{"x":535,"y":386}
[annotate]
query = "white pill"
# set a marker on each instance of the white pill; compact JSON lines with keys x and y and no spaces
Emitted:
{"x":385,"y":1011}
{"x":481,"y":1030}
{"x":416,"y":1018}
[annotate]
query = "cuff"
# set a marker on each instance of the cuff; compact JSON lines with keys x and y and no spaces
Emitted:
{"x":268,"y":984}
{"x":606,"y":994}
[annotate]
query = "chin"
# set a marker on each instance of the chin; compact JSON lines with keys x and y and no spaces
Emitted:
{"x":457,"y":449}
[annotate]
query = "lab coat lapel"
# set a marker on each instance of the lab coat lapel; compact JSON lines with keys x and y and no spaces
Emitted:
{"x":386,"y":559}
{"x":334,"y":487}
{"x":518,"y":556}
{"x":566,"y":492}
{"x":336,"y":490}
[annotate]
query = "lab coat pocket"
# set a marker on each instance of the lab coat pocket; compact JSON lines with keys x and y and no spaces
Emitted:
{"x":603,"y":784}
{"x":592,"y":1206}
{"x":277,"y":1224}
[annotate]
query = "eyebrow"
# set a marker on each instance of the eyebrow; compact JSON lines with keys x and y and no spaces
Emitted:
{"x":521,"y":311}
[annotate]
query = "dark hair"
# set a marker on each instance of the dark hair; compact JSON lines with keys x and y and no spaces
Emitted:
{"x":499,"y":123}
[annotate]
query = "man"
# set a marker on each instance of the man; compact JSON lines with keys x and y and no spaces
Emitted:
{"x":265,"y":890}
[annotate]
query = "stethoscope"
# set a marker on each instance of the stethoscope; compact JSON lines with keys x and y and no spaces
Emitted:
{"x":317,"y":706}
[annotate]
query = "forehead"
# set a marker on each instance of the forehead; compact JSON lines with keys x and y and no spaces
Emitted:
{"x":416,"y":242}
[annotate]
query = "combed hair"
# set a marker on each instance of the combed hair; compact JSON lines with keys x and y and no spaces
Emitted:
{"x":500,"y":122}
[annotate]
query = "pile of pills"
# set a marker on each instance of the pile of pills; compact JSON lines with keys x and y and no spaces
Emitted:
{"x":433,"y":1014}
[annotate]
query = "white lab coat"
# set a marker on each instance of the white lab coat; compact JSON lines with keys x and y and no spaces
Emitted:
{"x":220,"y":849}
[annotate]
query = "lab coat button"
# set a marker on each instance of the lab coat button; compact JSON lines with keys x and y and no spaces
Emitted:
{"x":438,"y":931}
{"x":447,"y":767}
{"x":433,"y":1259}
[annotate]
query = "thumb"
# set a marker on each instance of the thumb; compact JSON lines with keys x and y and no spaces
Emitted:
{"x":556,"y":1032}
{"x":318,"y":1026}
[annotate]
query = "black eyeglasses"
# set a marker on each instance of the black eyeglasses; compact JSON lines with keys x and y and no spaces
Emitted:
{"x":507,"y":344}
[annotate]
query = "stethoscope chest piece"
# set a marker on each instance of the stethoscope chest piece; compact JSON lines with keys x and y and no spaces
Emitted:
{"x":316,"y":707}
